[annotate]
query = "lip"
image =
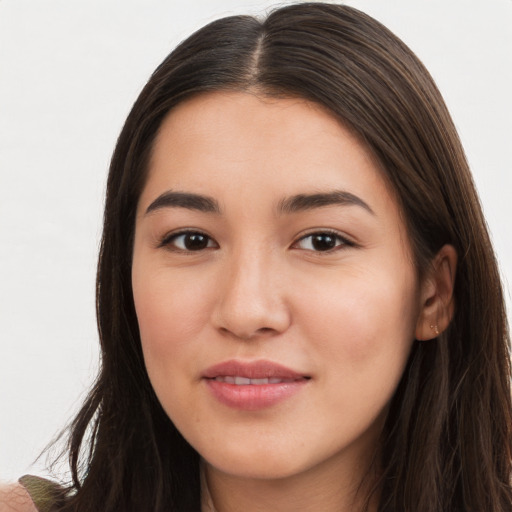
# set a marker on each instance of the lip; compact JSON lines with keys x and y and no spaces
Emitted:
{"x":250,"y":396}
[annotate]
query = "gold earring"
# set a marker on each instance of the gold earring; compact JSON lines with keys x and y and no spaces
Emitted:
{"x":435,"y":329}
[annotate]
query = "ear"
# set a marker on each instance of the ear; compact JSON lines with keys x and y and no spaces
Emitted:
{"x":437,"y":303}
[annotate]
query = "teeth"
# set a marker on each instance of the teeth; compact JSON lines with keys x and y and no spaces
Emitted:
{"x":259,"y":381}
{"x":244,"y":381}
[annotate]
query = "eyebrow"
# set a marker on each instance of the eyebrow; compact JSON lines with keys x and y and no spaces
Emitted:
{"x":303,"y":202}
{"x":171,"y":199}
{"x":293,"y":204}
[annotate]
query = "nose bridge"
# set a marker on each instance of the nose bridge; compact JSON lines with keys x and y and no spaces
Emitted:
{"x":252,"y":300}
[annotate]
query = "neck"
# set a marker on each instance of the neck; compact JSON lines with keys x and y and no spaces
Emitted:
{"x":323,"y":489}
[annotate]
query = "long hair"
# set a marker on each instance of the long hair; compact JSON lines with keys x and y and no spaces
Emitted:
{"x":446,"y":445}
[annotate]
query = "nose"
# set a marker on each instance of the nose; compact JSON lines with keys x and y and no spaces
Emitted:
{"x":252,"y":302}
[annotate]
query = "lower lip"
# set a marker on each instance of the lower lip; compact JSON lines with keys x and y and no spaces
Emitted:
{"x":254,"y":397}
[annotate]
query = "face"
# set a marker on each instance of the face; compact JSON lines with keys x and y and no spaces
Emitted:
{"x":273,"y":283}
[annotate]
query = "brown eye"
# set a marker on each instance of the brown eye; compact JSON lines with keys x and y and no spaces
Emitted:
{"x":321,"y":242}
{"x":189,"y":241}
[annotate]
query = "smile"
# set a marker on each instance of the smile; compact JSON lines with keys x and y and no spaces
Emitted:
{"x":245,"y":381}
{"x":254,"y":385}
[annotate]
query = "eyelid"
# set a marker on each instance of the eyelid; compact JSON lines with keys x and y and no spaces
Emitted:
{"x":166,"y":241}
{"x":346,"y":242}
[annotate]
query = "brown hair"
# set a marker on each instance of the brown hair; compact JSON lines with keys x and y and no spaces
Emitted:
{"x":446,"y":445}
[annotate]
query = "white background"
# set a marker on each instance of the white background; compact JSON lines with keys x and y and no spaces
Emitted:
{"x":69,"y":73}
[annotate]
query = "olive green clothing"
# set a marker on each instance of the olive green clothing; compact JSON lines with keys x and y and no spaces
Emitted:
{"x":43,"y":492}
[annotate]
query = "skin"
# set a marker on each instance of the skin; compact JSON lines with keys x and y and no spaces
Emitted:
{"x":260,"y":289}
{"x":15,"y":498}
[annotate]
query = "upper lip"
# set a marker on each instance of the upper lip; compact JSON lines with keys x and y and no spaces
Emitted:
{"x":252,"y":370}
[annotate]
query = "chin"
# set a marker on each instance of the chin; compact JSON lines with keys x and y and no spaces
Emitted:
{"x":265,"y":469}
{"x":254,"y":460}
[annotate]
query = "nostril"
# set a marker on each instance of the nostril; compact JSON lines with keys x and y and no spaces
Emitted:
{"x":265,"y":329}
{"x":250,"y":319}
{"x":246,"y":334}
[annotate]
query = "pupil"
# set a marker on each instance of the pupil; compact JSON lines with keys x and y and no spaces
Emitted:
{"x":324,"y":242}
{"x":196,"y":242}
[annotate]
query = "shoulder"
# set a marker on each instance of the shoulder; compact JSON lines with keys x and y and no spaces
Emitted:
{"x":30,"y":494}
{"x":15,"y":498}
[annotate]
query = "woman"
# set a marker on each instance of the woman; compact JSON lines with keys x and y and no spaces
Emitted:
{"x":291,"y":287}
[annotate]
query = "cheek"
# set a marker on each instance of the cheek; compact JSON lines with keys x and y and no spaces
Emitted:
{"x":361,"y":333}
{"x":171,"y":310}
{"x":363,"y":317}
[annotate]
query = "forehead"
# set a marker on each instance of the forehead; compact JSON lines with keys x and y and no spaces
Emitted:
{"x":237,"y":144}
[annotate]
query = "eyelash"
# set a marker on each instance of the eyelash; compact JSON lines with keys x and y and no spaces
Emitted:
{"x":169,"y":240}
{"x":330,"y":233}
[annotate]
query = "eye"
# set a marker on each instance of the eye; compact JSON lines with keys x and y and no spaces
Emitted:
{"x":322,"y":241}
{"x":188,"y":241}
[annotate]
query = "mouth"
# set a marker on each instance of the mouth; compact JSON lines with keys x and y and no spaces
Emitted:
{"x":253,"y":385}
{"x":245,"y":381}
{"x":255,"y":372}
